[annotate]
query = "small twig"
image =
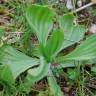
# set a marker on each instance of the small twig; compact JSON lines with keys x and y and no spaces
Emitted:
{"x":83,"y":7}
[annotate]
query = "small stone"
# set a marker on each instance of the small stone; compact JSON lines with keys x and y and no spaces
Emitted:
{"x":94,"y":1}
{"x":69,"y":4}
{"x":92,"y":29}
{"x":79,"y":3}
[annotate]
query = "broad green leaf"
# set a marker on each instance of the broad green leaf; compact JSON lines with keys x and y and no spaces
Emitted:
{"x":73,"y":63}
{"x":68,"y":63}
{"x":40,"y":19}
{"x":66,"y":23}
{"x":85,"y":51}
{"x":17,"y":61}
{"x":54,"y":44}
{"x":54,"y":87}
{"x":73,"y":33}
{"x":6,"y":75}
{"x":35,"y":74}
{"x":39,"y":72}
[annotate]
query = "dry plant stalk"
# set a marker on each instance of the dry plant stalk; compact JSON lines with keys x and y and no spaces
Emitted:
{"x":85,"y":6}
